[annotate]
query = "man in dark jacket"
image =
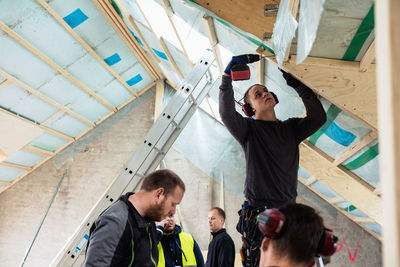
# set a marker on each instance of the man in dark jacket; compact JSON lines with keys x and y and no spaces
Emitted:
{"x":271,"y":148}
{"x":221,"y":250}
{"x":125,"y":233}
{"x":176,"y":248}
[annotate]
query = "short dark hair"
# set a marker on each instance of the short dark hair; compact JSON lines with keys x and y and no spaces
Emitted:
{"x":220,"y":211}
{"x":165,"y":178}
{"x":246,"y":95}
{"x":304,"y":229}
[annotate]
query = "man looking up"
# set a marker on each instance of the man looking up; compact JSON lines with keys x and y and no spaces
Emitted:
{"x":271,"y":148}
{"x":125,"y":233}
{"x":221,"y":250}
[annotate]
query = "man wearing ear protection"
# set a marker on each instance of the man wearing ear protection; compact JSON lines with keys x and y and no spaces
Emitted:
{"x":125,"y":233}
{"x":271,"y":148}
{"x":293,"y":236}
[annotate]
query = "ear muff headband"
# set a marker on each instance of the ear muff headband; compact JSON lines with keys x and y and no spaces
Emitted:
{"x":272,"y":223}
{"x":248,"y":110}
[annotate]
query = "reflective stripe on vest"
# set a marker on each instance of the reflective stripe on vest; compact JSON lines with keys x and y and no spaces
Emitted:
{"x":187,"y":245}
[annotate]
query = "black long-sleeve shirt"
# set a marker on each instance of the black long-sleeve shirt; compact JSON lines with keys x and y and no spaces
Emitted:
{"x":221,"y":250}
{"x":271,"y":147}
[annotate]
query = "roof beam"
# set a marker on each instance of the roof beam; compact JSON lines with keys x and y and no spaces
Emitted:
{"x":340,"y":182}
{"x":85,"y":45}
{"x":44,"y":98}
{"x":16,"y":166}
{"x":170,"y":58}
{"x":4,"y":83}
{"x":368,"y":57}
{"x":245,"y":15}
{"x":212,"y":37}
{"x":332,"y":201}
{"x":47,"y":129}
{"x":55,"y":66}
{"x":351,"y":150}
{"x":170,"y":12}
{"x":38,"y":150}
{"x":123,"y":31}
{"x":158,"y":107}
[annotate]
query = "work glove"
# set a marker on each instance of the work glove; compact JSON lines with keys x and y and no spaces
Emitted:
{"x":290,"y":80}
{"x":242,"y":59}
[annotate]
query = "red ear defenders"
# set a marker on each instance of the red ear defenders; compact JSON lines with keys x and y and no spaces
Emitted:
{"x":248,"y":110}
{"x":272,"y":223}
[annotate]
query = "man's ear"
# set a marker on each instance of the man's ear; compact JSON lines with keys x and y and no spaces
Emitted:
{"x":159,"y":192}
{"x":265,"y":243}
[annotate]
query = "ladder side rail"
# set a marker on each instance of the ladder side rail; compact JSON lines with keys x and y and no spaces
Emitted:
{"x":133,"y":171}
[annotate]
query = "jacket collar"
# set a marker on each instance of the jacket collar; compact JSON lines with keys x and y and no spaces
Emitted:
{"x":214,"y":234}
{"x":140,"y":221}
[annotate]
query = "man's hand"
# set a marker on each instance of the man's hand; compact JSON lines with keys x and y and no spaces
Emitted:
{"x":290,"y":80}
{"x":242,"y":59}
{"x":163,"y":223}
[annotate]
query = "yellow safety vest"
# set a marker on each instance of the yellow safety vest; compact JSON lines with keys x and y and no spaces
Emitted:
{"x":187,"y":245}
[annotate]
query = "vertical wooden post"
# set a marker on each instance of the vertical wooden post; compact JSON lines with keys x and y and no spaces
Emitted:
{"x":388,"y":58}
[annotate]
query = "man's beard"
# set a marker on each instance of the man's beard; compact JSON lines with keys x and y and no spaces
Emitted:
{"x":156,"y":213}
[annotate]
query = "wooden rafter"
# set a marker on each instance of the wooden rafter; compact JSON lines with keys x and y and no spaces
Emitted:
{"x":4,"y":83}
{"x":85,"y":45}
{"x":303,"y":181}
{"x":49,"y":156}
{"x":15,"y":166}
{"x":47,"y":129}
{"x":352,"y":150}
{"x":55,"y":66}
{"x":170,"y":58}
{"x":38,"y":150}
{"x":212,"y":37}
{"x":123,"y":31}
{"x":170,"y":12}
{"x":340,"y":182}
{"x":368,"y":57}
{"x":44,"y":98}
{"x":260,"y":73}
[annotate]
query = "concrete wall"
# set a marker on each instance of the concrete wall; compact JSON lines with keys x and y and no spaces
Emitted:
{"x":93,"y":162}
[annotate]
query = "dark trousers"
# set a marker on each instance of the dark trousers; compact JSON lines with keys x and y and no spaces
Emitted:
{"x":251,"y":235}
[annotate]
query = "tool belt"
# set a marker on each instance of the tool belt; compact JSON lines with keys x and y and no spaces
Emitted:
{"x":248,"y":222}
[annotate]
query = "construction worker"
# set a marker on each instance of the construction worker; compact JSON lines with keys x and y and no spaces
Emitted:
{"x":293,"y":236}
{"x":271,"y":148}
{"x":125,"y":233}
{"x":221,"y":250}
{"x":176,"y":248}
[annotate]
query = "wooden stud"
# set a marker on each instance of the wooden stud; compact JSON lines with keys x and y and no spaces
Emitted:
{"x":388,"y":60}
{"x":158,"y":107}
{"x":48,"y":61}
{"x":212,"y":36}
{"x":310,"y":181}
{"x":294,"y":8}
{"x":47,"y":129}
{"x":363,"y":220}
{"x":168,"y":10}
{"x":85,"y":45}
{"x":4,"y":183}
{"x":368,"y":57}
{"x":44,"y":98}
{"x":16,"y":166}
{"x":3,"y":155}
{"x":353,"y":149}
{"x":171,"y":59}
